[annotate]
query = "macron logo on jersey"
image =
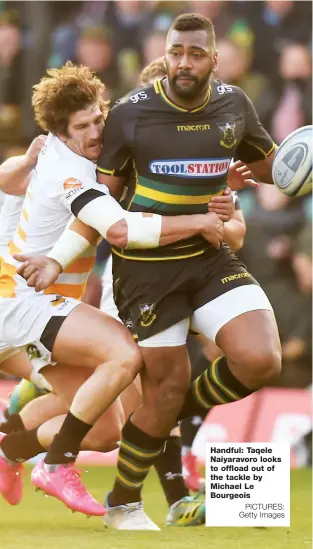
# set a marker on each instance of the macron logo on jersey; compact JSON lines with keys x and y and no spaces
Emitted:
{"x":211,"y":167}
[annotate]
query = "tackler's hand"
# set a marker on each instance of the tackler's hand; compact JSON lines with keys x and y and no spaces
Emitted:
{"x":39,"y":271}
{"x":213,"y":229}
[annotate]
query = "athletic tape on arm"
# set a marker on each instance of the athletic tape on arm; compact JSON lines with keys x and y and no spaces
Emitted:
{"x":143,"y":231}
{"x":103,"y":212}
{"x":69,"y":246}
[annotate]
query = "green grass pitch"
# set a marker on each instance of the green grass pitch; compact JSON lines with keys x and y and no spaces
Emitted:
{"x":44,"y":523}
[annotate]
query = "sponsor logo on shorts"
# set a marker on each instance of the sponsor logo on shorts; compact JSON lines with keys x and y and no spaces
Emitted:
{"x":33,"y":351}
{"x":147,"y":316}
{"x":211,"y":167}
{"x":230,"y":278}
{"x":194,"y":128}
{"x":57,"y":301}
{"x":228,"y":132}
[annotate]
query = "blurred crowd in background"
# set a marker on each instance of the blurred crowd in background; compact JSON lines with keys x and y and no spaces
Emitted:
{"x":263,"y":46}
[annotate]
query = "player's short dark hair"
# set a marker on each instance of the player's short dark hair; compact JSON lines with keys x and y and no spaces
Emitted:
{"x":193,"y":22}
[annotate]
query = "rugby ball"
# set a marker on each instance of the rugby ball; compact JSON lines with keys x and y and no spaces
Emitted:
{"x":292,"y":164}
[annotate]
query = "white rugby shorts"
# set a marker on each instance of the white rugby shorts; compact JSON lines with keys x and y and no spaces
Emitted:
{"x":30,"y":322}
{"x":211,"y":317}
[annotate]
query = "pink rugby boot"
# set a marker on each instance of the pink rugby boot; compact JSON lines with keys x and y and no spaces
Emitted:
{"x":11,"y":479}
{"x":64,"y":483}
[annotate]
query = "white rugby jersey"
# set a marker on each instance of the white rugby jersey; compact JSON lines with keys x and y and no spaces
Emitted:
{"x":59,"y":177}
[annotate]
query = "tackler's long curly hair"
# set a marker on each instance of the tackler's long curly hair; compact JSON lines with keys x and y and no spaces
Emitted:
{"x":63,"y":92}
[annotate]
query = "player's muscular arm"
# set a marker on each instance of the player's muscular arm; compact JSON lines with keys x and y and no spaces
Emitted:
{"x":235,"y":230}
{"x":15,"y":175}
{"x":262,"y":169}
{"x":172,"y":229}
{"x":120,"y":228}
{"x":15,"y":172}
{"x":140,"y":230}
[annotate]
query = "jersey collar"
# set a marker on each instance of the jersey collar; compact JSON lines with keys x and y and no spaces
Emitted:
{"x":159,"y":89}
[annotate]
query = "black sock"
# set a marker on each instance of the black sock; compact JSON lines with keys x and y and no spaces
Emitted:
{"x":216,"y":385}
{"x":138,"y":452}
{"x":13,"y":424}
{"x":169,"y":468}
{"x":65,"y":445}
{"x":21,"y":446}
{"x":189,"y":428}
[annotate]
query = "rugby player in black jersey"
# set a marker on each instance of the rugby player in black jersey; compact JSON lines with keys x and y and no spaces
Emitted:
{"x":177,"y":466}
{"x":180,"y":135}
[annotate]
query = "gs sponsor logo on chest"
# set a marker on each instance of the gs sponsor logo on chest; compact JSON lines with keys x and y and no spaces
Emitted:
{"x":138,"y":97}
{"x":224,"y":88}
{"x":205,"y":167}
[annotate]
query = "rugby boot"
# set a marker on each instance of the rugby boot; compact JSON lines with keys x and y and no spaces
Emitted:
{"x":64,"y":483}
{"x":11,"y":479}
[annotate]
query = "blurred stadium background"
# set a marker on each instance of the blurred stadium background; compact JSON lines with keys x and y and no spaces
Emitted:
{"x":265,"y":48}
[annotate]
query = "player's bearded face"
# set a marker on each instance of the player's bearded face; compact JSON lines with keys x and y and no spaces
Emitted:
{"x":189,"y":60}
{"x":187,"y":85}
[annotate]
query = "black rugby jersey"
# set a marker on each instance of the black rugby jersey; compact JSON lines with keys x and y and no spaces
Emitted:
{"x":180,"y":157}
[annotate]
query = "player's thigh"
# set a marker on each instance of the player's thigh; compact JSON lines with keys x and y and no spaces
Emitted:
{"x":88,"y":337}
{"x":250,"y":336}
{"x":243,"y":325}
{"x":66,"y":380}
{"x":167,"y":365}
{"x":16,"y":363}
{"x":42,"y":409}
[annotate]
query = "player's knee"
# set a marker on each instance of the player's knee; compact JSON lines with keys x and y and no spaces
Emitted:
{"x":125,"y":363}
{"x":172,"y":393}
{"x":266,"y":365}
{"x":130,"y":363}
